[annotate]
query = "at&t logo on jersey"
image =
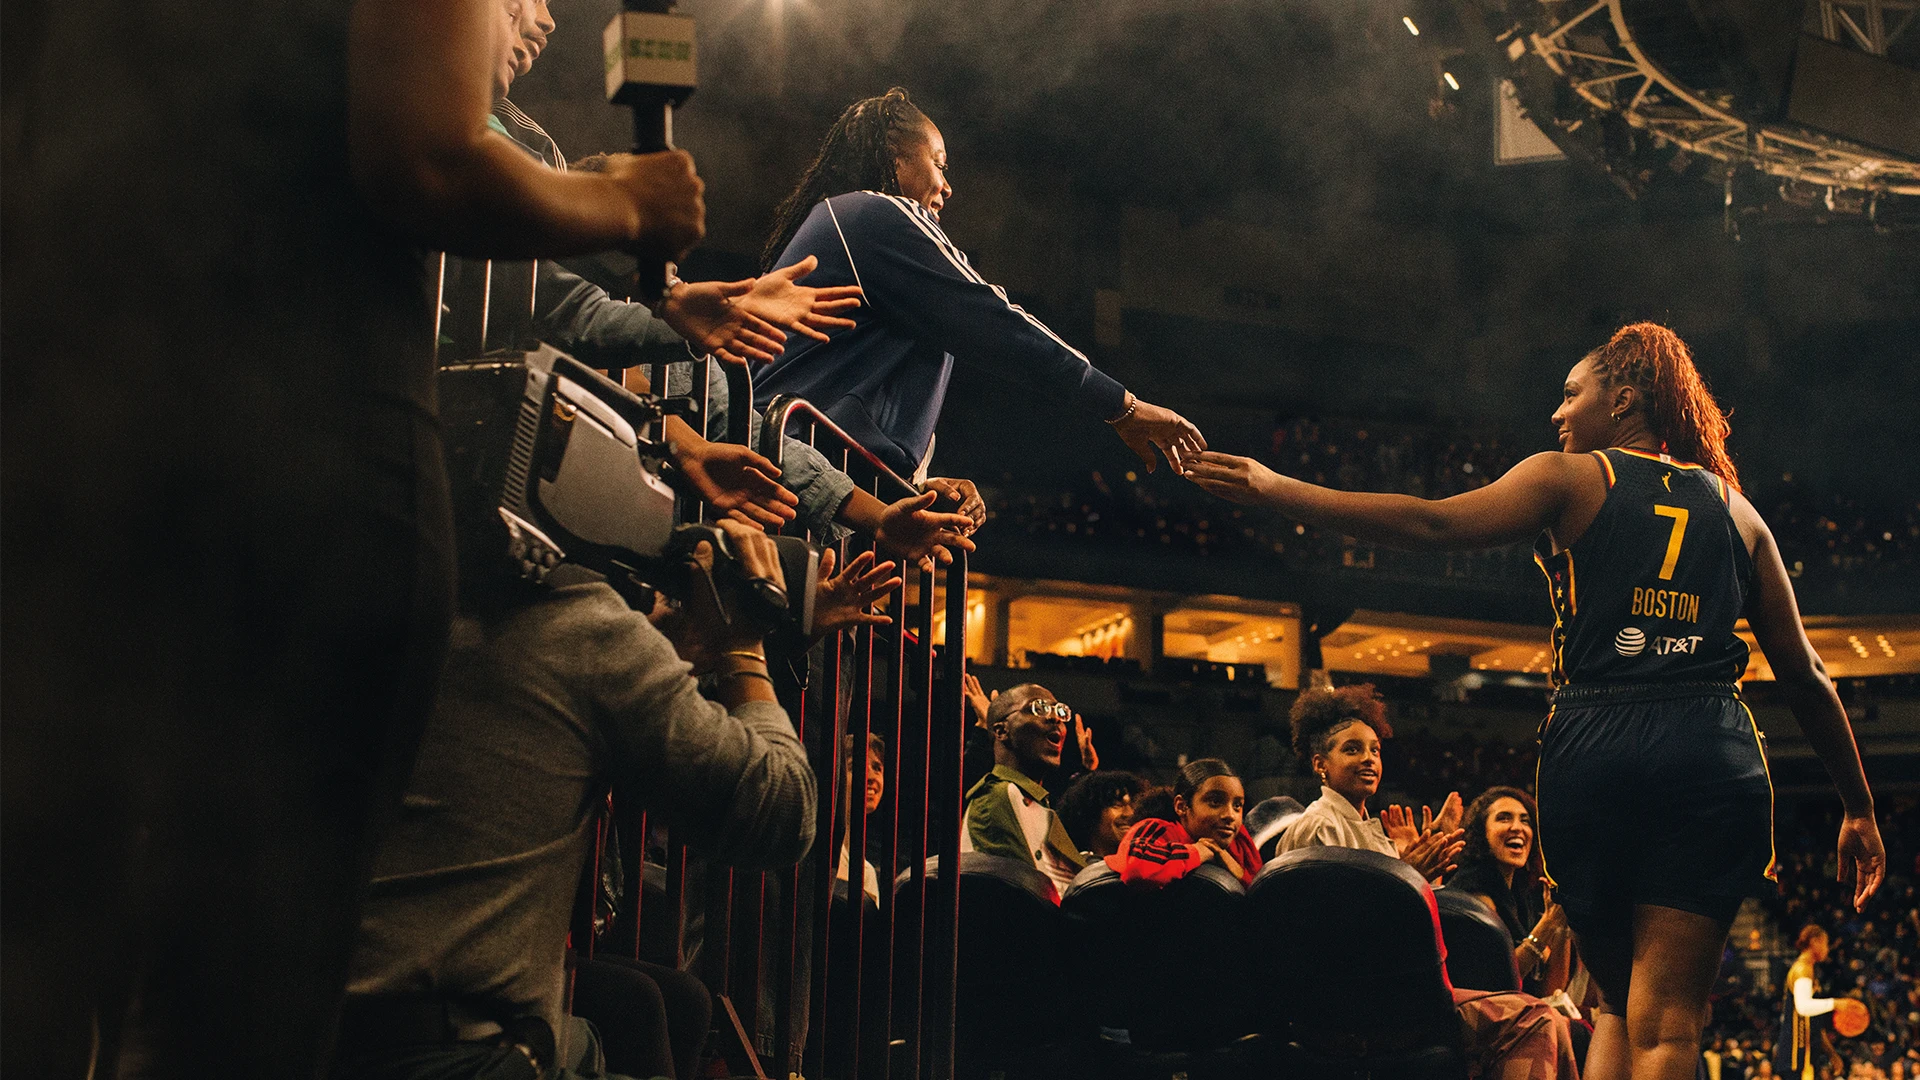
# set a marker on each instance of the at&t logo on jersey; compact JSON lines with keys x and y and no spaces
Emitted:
{"x":1632,"y":641}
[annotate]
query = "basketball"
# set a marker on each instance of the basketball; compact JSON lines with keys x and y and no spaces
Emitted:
{"x":1849,"y":1016}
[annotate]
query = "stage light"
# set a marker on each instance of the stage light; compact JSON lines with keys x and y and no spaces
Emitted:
{"x":1411,"y":29}
{"x":1451,"y":81}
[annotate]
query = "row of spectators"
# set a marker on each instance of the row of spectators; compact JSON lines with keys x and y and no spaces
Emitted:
{"x":1816,"y":529}
{"x":1154,"y":834}
{"x":1106,"y":823}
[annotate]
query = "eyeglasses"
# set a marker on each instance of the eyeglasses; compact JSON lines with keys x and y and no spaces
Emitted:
{"x":1059,"y":710}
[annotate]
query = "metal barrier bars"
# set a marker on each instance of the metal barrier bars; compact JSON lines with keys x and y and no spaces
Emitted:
{"x":851,"y":991}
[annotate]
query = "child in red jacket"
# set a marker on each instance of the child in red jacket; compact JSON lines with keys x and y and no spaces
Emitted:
{"x":1208,"y":805}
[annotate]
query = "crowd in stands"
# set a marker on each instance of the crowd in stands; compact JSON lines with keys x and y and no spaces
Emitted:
{"x":1154,"y":835}
{"x":1817,"y":530}
{"x":1875,"y":953}
{"x":1128,"y":512}
{"x":1837,"y":530}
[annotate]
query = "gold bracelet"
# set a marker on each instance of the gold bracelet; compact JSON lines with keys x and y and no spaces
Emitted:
{"x":748,"y":654}
{"x":1132,"y":403}
{"x":745,"y":674}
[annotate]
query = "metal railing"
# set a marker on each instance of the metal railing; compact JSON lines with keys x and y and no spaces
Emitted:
{"x":790,"y":954}
{"x":905,"y":955}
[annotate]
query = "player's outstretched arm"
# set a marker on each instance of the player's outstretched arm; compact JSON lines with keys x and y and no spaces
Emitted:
{"x":1774,"y":614}
{"x":1534,"y":495}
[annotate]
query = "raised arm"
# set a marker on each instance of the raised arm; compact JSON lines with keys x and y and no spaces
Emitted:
{"x":1554,"y":491}
{"x":419,"y":90}
{"x":1774,"y":615}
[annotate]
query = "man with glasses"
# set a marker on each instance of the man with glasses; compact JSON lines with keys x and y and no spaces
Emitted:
{"x":1008,"y":813}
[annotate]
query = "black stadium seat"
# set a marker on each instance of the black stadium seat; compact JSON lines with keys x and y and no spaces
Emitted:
{"x":1124,"y":942}
{"x":1350,"y":967}
{"x":1012,"y":978}
{"x":1103,"y":928}
{"x":1479,"y":949}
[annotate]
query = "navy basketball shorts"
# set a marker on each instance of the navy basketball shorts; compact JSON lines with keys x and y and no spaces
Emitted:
{"x":1653,"y":795}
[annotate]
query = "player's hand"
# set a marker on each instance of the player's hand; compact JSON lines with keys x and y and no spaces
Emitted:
{"x":668,"y":197}
{"x":776,"y":298}
{"x":732,"y":478}
{"x":1152,"y":427}
{"x":964,"y":497}
{"x":1863,"y":858}
{"x":1233,"y":478}
{"x":841,"y":600}
{"x":910,"y":530}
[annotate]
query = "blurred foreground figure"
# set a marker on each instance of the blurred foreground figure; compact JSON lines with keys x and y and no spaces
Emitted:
{"x":226,"y":559}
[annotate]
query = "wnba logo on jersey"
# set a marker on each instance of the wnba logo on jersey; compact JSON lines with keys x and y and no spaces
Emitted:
{"x":1630,"y":642}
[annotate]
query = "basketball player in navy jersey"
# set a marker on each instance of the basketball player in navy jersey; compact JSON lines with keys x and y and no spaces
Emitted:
{"x":1655,"y":803}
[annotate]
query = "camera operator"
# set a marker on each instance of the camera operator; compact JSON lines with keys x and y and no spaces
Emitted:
{"x":552,"y":694}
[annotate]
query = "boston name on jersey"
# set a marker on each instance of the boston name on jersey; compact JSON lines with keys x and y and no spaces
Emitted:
{"x":1652,"y":590}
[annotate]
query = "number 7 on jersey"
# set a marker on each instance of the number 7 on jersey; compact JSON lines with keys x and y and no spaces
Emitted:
{"x":1679,"y":516}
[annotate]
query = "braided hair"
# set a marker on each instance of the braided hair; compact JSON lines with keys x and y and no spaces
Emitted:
{"x":858,"y":154}
{"x":1680,"y":410}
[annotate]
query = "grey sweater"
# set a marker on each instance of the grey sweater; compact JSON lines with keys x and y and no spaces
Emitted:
{"x":537,"y":712}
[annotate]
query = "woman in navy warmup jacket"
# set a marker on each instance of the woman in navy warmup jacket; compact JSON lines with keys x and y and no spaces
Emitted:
{"x":869,"y":209}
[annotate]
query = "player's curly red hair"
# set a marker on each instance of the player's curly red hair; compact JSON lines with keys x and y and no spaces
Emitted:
{"x":1680,"y":410}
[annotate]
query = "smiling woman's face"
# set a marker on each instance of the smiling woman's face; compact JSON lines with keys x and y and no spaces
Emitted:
{"x":1351,"y":763}
{"x":1509,"y":832}
{"x":922,"y":170}
{"x":1585,"y":419}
